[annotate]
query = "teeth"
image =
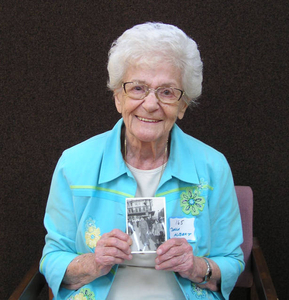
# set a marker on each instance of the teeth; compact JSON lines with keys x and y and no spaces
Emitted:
{"x":146,"y":120}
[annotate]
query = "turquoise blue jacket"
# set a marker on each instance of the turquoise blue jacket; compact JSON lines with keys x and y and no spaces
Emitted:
{"x":87,"y":199}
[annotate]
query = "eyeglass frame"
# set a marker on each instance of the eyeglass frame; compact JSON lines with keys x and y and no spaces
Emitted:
{"x":155,"y":92}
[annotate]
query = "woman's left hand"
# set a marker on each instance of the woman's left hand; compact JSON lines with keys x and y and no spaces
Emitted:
{"x":176,"y":255}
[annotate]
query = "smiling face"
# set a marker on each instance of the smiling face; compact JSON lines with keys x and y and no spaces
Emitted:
{"x":149,"y":120}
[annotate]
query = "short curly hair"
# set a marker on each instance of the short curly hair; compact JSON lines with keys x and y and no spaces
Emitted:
{"x":151,"y":43}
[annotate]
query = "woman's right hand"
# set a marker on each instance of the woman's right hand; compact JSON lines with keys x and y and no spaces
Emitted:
{"x":112,"y":248}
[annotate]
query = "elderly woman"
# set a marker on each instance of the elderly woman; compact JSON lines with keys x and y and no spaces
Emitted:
{"x":155,"y":72}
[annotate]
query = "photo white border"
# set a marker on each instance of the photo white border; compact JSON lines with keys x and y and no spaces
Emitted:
{"x":136,"y":237}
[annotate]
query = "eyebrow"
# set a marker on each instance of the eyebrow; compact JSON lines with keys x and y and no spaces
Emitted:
{"x":170,"y":84}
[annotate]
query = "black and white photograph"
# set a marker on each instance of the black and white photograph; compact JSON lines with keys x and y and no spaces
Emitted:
{"x":146,"y":223}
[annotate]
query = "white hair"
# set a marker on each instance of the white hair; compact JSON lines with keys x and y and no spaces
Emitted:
{"x":150,"y":43}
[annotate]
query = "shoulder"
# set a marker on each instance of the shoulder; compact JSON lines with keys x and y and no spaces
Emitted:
{"x":93,"y":145}
{"x":193,"y":148}
{"x":85,"y":156}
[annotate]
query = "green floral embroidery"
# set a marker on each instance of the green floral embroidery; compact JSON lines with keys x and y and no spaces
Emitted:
{"x":84,"y":294}
{"x":92,"y":234}
{"x":198,"y":292}
{"x":191,"y":201}
{"x":203,"y":185}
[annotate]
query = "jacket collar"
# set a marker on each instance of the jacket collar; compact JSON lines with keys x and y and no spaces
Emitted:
{"x":113,"y":164}
{"x":181,"y":162}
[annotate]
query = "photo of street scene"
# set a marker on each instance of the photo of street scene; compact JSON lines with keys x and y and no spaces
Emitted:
{"x":146,"y":223}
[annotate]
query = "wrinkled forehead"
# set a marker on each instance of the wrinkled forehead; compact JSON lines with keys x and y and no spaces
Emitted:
{"x":154,"y":75}
{"x":153,"y":62}
{"x":152,"y":59}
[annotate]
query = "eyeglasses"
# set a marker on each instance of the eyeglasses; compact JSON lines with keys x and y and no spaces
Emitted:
{"x":138,"y":91}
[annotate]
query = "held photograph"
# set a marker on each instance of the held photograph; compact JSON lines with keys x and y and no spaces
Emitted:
{"x":146,"y":223}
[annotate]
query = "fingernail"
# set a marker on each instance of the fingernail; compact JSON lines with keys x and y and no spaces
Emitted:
{"x":159,"y":252}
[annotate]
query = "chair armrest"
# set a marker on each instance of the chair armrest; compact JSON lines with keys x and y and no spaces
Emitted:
{"x":262,"y":279}
{"x":31,"y":285}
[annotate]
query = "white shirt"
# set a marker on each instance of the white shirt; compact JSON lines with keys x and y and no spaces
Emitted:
{"x":138,"y":279}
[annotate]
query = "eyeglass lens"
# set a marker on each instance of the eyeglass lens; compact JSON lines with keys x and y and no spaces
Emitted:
{"x":140,"y":91}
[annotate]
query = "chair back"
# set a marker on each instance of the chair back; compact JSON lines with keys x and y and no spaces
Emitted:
{"x":245,"y":199}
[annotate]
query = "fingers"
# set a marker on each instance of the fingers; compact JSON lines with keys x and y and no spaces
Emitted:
{"x":173,"y":247}
{"x":110,"y":256}
{"x":175,"y":255}
{"x":182,"y":264}
{"x":113,"y":248}
{"x":120,"y":234}
{"x":116,"y":239}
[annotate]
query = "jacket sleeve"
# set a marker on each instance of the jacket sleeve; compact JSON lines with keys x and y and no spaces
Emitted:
{"x":226,"y":228}
{"x":60,"y":223}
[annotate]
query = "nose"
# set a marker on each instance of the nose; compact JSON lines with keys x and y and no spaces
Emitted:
{"x":151,"y":102}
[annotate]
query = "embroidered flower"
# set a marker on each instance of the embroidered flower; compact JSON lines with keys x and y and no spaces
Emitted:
{"x":204,"y":185}
{"x":80,"y":296}
{"x":191,"y":201}
{"x":92,"y":234}
{"x":198,"y":292}
{"x":84,"y":294}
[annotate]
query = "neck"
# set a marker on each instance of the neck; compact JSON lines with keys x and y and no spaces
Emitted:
{"x":144,"y":155}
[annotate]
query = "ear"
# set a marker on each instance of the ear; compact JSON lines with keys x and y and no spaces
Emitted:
{"x":182,"y":109}
{"x":117,"y":100}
